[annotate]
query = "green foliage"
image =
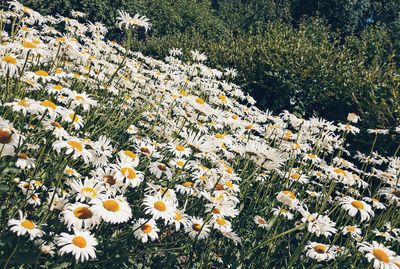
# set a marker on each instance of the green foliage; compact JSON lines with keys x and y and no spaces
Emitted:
{"x":306,"y":69}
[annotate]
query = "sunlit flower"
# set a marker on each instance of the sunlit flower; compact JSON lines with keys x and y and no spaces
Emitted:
{"x":24,"y":226}
{"x":81,"y":244}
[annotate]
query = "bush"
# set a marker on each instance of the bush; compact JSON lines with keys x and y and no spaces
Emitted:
{"x":307,"y":70}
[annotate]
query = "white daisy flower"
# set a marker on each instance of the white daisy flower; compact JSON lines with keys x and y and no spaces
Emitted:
{"x":81,"y":244}
{"x":381,"y":256}
{"x":80,"y":216}
{"x":113,"y":210}
{"x":145,"y":230}
{"x":197,"y":228}
{"x":24,"y":226}
{"x":159,"y":207}
{"x":353,"y":207}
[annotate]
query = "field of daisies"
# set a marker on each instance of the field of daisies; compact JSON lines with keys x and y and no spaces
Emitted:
{"x":111,"y":159}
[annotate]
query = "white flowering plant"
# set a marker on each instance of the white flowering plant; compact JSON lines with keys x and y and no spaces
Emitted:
{"x":111,"y":159}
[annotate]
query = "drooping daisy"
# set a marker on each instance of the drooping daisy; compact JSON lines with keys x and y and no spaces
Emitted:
{"x":9,"y":139}
{"x":261,"y":222}
{"x":288,"y":198}
{"x":9,"y":65}
{"x":81,"y":244}
{"x":113,"y":210}
{"x":24,"y":226}
{"x":375,"y":202}
{"x":146,"y":230}
{"x":159,"y":207}
{"x":381,"y":256}
{"x":57,"y":129}
{"x":24,"y":161}
{"x":353,"y":206}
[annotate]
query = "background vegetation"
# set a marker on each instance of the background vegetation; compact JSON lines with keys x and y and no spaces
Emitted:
{"x":324,"y":58}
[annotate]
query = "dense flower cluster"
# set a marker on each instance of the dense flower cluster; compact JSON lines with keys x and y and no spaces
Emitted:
{"x":103,"y":148}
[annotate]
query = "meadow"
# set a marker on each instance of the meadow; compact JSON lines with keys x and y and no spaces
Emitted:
{"x":113,"y":159}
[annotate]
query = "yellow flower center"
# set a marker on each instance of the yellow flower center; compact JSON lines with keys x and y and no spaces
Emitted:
{"x":381,"y":255}
{"x":57,"y":87}
{"x":180,"y":148}
{"x":22,"y":156}
{"x":28,"y":45}
{"x":90,"y":191}
{"x":160,"y":206}
{"x":79,"y":241}
{"x":183,"y":93}
{"x":162,"y":167}
{"x":76,"y":145}
{"x":5,"y":136}
{"x":109,"y":179}
{"x":23,"y":102}
{"x":358,"y":204}
{"x":130,"y":154}
{"x":229,"y":184}
{"x":290,"y":194}
{"x":128,"y":172}
{"x":216,"y":211}
{"x":319,"y":248}
{"x":295,"y":176}
{"x":219,"y":187}
{"x":340,"y":171}
{"x":220,"y":136}
{"x":223,"y":98}
{"x":200,"y":101}
{"x":229,"y":169}
{"x":145,"y":150}
{"x":146,"y":228}
{"x":111,"y":205}
{"x":180,"y":163}
{"x":56,"y":124}
{"x":74,"y":117}
{"x":42,"y":73}
{"x":9,"y":59}
{"x":83,"y":212}
{"x":27,"y":224}
{"x":220,"y":222}
{"x":188,"y":184}
{"x":197,"y":227}
{"x":351,"y":229}
{"x":178,"y":215}
{"x":48,"y":104}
